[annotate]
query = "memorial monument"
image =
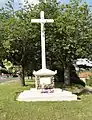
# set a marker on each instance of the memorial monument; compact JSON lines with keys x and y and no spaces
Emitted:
{"x":44,"y":78}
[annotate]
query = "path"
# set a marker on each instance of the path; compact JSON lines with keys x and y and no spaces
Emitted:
{"x":6,"y":79}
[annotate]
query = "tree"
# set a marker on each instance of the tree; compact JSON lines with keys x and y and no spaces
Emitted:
{"x":5,"y":16}
{"x":22,"y":49}
{"x":2,"y":36}
{"x":71,"y":35}
{"x":66,"y":38}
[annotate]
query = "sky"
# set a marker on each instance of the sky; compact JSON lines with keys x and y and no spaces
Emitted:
{"x":2,"y":2}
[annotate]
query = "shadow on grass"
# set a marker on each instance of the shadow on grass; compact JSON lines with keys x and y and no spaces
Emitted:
{"x":16,"y":95}
{"x":77,"y":89}
{"x":28,"y":84}
{"x":58,"y":85}
{"x":83,"y":92}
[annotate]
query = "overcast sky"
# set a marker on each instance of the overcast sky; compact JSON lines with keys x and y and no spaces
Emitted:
{"x":2,"y":2}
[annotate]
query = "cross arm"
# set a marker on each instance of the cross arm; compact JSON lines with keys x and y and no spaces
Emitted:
{"x":48,"y":20}
{"x":42,"y":21}
{"x":35,"y":21}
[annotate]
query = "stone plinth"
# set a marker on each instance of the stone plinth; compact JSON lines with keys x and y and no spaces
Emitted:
{"x":37,"y":95}
{"x":44,"y":72}
{"x":44,"y":78}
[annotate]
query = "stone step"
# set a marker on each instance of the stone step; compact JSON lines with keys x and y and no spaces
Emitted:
{"x":36,"y":95}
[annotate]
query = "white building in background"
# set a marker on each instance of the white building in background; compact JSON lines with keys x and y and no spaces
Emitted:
{"x":84,"y":61}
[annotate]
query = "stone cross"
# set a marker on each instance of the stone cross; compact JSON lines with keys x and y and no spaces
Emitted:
{"x":42,"y":21}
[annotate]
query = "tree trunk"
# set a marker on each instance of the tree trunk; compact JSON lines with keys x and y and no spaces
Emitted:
{"x":22,"y":76}
{"x":67,"y":75}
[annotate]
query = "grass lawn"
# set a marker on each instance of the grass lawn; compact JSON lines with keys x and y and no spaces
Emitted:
{"x":10,"y":109}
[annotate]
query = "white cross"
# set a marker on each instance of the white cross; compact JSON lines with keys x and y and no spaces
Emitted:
{"x":42,"y":21}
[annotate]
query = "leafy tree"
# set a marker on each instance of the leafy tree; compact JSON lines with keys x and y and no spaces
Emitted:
{"x":22,"y":49}
{"x":66,"y":38}
{"x":2,"y":37}
{"x":71,"y":40}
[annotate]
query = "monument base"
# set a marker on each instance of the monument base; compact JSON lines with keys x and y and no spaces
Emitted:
{"x":38,"y":95}
{"x":44,"y":78}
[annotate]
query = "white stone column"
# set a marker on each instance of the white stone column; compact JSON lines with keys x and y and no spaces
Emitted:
{"x":42,"y":21}
{"x":43,"y":41}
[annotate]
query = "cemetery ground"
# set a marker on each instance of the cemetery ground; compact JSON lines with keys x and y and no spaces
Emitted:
{"x":10,"y":109}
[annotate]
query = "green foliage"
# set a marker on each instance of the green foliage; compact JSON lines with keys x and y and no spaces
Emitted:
{"x":7,"y":64}
{"x":67,"y":39}
{"x":72,"y":29}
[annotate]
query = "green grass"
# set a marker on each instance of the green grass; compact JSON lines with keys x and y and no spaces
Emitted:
{"x":10,"y":109}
